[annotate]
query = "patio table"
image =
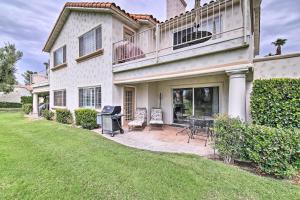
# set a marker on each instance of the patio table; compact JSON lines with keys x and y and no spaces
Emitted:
{"x":200,"y":125}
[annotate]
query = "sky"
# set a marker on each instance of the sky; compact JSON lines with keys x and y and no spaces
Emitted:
{"x":27,"y":24}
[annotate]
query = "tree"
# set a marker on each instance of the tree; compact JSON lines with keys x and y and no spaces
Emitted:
{"x":9,"y":56}
{"x":27,"y":76}
{"x":279,"y":43}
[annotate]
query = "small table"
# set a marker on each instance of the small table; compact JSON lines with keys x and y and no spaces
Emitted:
{"x":196,"y":126}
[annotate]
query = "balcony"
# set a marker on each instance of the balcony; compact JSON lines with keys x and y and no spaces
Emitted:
{"x":213,"y":27}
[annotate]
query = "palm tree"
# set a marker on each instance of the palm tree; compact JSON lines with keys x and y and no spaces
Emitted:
{"x":279,"y":43}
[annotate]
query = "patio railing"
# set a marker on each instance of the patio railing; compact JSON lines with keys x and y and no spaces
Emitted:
{"x":210,"y":23}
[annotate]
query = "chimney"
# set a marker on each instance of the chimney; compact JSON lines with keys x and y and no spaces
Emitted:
{"x":197,"y":3}
{"x":175,"y":8}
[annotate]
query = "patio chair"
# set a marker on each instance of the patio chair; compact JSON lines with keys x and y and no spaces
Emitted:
{"x":156,"y":118}
{"x":140,"y":119}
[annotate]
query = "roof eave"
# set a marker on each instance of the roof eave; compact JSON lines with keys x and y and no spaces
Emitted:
{"x":65,"y":13}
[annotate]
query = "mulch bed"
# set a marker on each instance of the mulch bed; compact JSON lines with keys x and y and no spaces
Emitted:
{"x":250,"y":167}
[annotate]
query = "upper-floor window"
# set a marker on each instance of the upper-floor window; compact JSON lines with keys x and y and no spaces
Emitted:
{"x":90,"y":41}
{"x":90,"y":97}
{"x":207,"y":29}
{"x":60,"y":56}
{"x":59,"y":98}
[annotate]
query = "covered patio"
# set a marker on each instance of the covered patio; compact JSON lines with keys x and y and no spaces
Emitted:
{"x":163,"y":140}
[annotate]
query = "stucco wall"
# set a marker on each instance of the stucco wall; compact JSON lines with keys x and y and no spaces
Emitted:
{"x":148,"y":93}
{"x":14,"y":96}
{"x":285,"y":66}
{"x":92,"y":72}
{"x":184,"y":65}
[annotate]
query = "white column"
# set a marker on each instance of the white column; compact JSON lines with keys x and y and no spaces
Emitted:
{"x":237,"y":93}
{"x":35,"y":104}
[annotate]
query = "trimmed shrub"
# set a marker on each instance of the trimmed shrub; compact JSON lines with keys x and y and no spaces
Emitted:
{"x":276,"y":103}
{"x":64,"y":116}
{"x":10,"y":105}
{"x":229,"y":137}
{"x":27,"y":108}
{"x":26,"y":99}
{"x":47,"y":114}
{"x":274,"y":150}
{"x":87,"y":118}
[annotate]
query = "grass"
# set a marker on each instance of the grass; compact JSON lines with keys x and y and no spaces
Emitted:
{"x":46,"y":160}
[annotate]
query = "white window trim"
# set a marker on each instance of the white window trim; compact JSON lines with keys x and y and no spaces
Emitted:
{"x":90,"y":87}
{"x":62,"y":47}
{"x":62,"y":90}
{"x":93,"y":29}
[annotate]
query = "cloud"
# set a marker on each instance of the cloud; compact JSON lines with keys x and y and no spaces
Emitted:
{"x":28,"y":24}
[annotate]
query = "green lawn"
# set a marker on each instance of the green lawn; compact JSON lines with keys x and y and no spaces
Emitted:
{"x":46,"y":160}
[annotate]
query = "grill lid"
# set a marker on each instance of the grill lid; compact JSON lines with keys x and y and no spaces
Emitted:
{"x":111,"y":110}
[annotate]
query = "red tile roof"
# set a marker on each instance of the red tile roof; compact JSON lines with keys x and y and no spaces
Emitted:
{"x":135,"y":17}
{"x":109,"y":5}
{"x":143,"y":17}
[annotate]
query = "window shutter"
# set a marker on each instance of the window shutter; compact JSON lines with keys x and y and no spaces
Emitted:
{"x":64,"y":54}
{"x":64,"y":98}
{"x":80,"y":97}
{"x":55,"y":98}
{"x":98,"y":97}
{"x":55,"y":58}
{"x":81,"y":46}
{"x":98,"y":38}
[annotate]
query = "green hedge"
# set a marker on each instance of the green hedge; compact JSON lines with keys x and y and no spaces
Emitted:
{"x":27,"y":108}
{"x":274,"y":150}
{"x":47,"y":114}
{"x":26,"y":99}
{"x":87,"y":118}
{"x":276,"y":102}
{"x":10,"y":105}
{"x":10,"y":109}
{"x":229,"y":137}
{"x":64,"y":116}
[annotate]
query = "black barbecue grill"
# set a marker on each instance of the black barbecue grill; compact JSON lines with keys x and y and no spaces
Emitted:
{"x":111,"y":120}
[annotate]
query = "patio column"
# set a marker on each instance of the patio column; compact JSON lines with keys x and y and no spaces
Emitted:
{"x":237,"y":93}
{"x":35,"y":104}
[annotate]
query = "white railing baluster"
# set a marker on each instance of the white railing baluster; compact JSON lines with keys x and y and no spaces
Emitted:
{"x":225,"y":11}
{"x":207,"y":19}
{"x":185,"y":31}
{"x":232,"y":8}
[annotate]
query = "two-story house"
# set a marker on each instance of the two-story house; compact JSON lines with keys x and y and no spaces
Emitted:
{"x":197,"y":62}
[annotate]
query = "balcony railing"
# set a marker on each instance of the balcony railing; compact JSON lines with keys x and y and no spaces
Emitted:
{"x":209,"y":24}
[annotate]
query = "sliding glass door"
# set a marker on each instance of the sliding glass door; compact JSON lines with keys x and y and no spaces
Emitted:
{"x":198,"y":102}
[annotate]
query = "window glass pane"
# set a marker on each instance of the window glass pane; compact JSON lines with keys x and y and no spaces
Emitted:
{"x":98,"y":97}
{"x":60,"y":98}
{"x":206,"y":101}
{"x":200,"y":33}
{"x":99,"y":38}
{"x":195,"y":101}
{"x":59,"y":56}
{"x":182,"y":105}
{"x":90,"y":97}
{"x":90,"y":41}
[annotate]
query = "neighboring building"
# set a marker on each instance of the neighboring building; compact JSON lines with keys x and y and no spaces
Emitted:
{"x":15,"y":96}
{"x":198,"y":63}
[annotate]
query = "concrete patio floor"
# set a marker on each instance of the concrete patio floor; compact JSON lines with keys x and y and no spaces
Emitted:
{"x":164,"y":140}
